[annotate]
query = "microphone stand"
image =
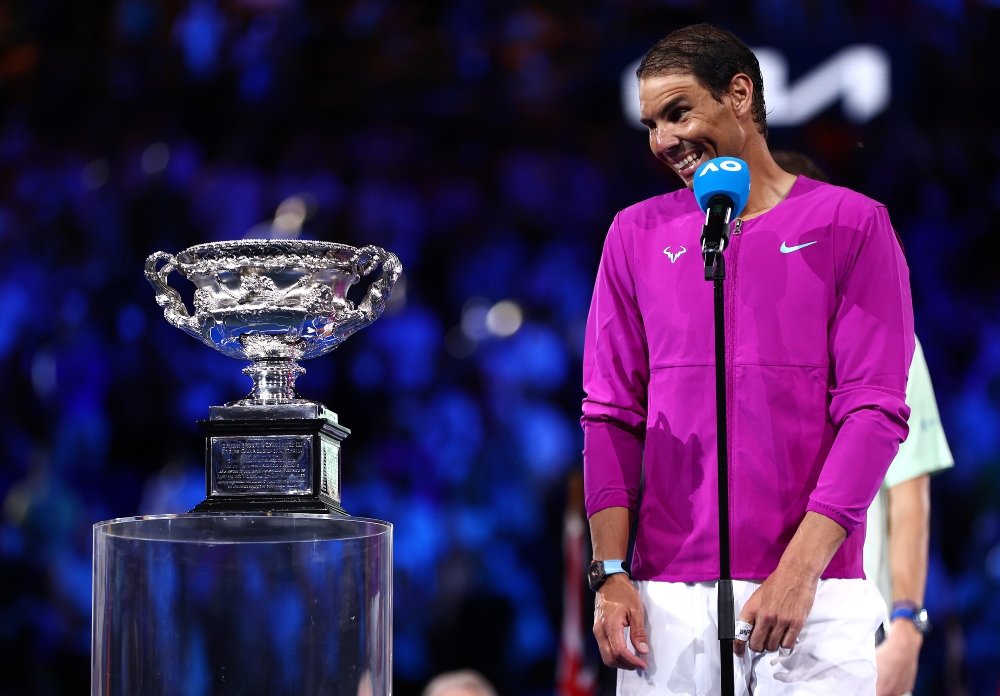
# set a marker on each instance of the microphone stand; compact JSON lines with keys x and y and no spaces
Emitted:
{"x":715,"y":270}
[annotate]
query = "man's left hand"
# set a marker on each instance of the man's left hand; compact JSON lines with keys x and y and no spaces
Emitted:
{"x":777,"y":610}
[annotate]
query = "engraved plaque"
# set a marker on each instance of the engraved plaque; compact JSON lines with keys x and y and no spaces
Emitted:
{"x":250,"y":464}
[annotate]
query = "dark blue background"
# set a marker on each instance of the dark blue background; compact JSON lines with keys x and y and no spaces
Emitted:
{"x":485,"y":144}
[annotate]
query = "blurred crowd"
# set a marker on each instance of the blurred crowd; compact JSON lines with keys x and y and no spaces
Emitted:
{"x":483,"y":143}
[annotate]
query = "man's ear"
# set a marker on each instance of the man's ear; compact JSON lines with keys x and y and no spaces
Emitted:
{"x":741,"y":94}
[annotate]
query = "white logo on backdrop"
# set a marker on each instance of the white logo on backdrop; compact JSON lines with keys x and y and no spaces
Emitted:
{"x":858,"y":76}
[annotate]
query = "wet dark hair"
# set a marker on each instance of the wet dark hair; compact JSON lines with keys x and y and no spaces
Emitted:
{"x":713,"y":56}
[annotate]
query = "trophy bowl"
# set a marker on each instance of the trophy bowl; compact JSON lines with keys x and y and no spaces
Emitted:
{"x":273,"y":302}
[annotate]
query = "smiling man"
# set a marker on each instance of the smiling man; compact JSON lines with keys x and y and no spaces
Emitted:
{"x":819,"y":326}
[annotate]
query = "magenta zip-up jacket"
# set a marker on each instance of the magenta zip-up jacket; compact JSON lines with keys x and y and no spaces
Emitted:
{"x":819,"y":337}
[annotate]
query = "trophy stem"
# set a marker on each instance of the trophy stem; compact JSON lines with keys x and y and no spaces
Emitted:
{"x":273,"y":382}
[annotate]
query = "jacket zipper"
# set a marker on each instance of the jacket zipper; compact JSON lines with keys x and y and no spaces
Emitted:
{"x":730,"y":323}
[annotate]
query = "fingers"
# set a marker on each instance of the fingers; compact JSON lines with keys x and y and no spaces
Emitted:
{"x":769,"y":634}
{"x":615,"y":651}
{"x":611,"y":622}
{"x":764,"y":631}
{"x":777,"y":610}
{"x":743,"y":631}
{"x":783,"y":633}
{"x":791,"y":636}
{"x":747,"y":635}
{"x":637,"y":633}
{"x":745,"y":624}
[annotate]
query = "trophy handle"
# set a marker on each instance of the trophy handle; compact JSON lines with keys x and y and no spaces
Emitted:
{"x":173,"y":307}
{"x":351,"y":319}
{"x":371,"y":307}
{"x":380,"y":290}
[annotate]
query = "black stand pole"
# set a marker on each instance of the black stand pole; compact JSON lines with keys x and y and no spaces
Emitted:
{"x":715,"y":270}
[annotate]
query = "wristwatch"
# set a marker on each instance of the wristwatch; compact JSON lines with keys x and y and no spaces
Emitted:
{"x":598,"y":572}
{"x":911,"y":612}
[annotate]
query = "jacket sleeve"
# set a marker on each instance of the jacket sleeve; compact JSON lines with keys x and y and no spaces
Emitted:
{"x":615,"y":378}
{"x":871,"y":343}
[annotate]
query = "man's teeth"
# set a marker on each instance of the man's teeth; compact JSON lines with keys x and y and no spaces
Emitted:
{"x":687,"y":161}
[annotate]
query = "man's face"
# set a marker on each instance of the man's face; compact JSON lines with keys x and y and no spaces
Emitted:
{"x":687,"y":126}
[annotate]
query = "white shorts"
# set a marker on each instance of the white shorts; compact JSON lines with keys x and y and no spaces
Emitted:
{"x":835,"y":652}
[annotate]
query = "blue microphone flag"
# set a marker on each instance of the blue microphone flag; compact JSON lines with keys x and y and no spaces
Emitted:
{"x":727,"y":176}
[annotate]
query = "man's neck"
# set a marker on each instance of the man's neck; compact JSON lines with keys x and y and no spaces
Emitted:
{"x":769,"y":185}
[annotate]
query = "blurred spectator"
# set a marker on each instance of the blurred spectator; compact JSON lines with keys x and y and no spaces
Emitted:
{"x":464,"y":682}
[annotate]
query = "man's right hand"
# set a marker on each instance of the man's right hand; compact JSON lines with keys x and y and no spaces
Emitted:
{"x":617,"y":606}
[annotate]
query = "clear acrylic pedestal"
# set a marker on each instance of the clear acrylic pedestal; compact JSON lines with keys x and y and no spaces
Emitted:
{"x":252,"y":604}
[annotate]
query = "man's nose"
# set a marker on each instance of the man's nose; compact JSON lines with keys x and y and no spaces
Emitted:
{"x":662,"y":138}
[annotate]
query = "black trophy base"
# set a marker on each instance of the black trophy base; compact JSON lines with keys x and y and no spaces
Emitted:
{"x":275,"y":458}
{"x":269,"y":504}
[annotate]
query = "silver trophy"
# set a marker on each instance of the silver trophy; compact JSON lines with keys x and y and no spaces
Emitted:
{"x":273,"y":303}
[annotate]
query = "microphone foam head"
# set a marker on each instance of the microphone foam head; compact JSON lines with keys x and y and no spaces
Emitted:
{"x":728,"y":176}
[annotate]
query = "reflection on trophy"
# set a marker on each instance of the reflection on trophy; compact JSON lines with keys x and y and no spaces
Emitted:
{"x":273,"y":303}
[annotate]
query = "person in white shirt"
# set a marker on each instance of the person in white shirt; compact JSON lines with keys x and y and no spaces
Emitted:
{"x":896,"y":542}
